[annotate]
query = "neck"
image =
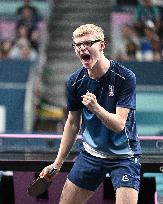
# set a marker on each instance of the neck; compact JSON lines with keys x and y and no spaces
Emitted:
{"x":99,"y":69}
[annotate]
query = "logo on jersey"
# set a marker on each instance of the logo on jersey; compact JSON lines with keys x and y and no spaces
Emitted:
{"x":111,"y":90}
{"x":125,"y":178}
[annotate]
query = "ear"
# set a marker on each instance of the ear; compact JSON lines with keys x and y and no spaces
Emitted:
{"x":102,"y":45}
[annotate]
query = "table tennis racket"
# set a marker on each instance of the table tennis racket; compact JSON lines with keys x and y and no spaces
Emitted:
{"x":40,"y":185}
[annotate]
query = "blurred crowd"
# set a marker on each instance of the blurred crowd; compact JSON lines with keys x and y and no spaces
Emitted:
{"x":142,"y":38}
{"x":25,"y":43}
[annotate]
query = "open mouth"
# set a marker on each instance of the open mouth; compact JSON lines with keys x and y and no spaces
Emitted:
{"x":86,"y":57}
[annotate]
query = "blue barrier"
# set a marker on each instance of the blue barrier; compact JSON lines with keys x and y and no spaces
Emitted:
{"x":13,"y":78}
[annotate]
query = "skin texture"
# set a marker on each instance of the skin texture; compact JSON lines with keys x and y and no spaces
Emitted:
{"x":97,"y":66}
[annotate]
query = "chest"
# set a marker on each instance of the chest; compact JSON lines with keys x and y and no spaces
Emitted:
{"x":106,"y":91}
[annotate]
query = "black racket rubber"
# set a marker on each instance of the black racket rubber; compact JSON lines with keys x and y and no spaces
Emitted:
{"x":39,"y":185}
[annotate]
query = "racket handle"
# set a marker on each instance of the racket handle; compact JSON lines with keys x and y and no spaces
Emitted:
{"x":52,"y":171}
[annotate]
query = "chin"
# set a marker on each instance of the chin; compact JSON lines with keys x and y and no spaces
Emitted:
{"x":88,"y":67}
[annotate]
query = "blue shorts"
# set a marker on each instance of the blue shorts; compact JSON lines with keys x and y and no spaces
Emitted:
{"x":89,"y":171}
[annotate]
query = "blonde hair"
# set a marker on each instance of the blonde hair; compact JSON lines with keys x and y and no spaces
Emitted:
{"x":89,"y":29}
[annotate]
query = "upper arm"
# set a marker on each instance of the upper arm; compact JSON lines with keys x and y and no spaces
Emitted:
{"x":73,"y":102}
{"x":74,"y":119}
{"x":127,"y":93}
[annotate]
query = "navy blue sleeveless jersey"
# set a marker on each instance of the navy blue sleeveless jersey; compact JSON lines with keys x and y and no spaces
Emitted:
{"x":116,"y":88}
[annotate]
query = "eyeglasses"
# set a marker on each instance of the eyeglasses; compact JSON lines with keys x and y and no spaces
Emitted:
{"x":85,"y":43}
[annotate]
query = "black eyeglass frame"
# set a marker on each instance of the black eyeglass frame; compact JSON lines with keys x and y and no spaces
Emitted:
{"x":88,"y":43}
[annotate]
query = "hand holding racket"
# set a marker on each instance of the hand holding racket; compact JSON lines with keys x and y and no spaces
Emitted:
{"x":41,"y":184}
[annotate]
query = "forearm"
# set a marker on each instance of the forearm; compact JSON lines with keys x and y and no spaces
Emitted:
{"x":113,"y":121}
{"x":67,"y":141}
{"x":69,"y":135}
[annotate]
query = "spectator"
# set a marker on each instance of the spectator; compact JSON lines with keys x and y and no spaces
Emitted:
{"x":150,"y":44}
{"x":23,"y":50}
{"x":27,"y":19}
{"x":5,"y":48}
{"x":128,"y":49}
{"x":130,"y":40}
{"x":26,"y":52}
{"x":161,"y":27}
{"x":144,"y":12}
{"x":22,"y":32}
{"x":27,"y":3}
{"x":35,"y":40}
{"x":21,"y":38}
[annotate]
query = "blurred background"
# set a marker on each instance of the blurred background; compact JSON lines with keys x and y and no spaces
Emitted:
{"x":36,"y":58}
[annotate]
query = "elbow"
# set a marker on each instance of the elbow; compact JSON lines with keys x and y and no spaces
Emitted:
{"x":119,"y":127}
